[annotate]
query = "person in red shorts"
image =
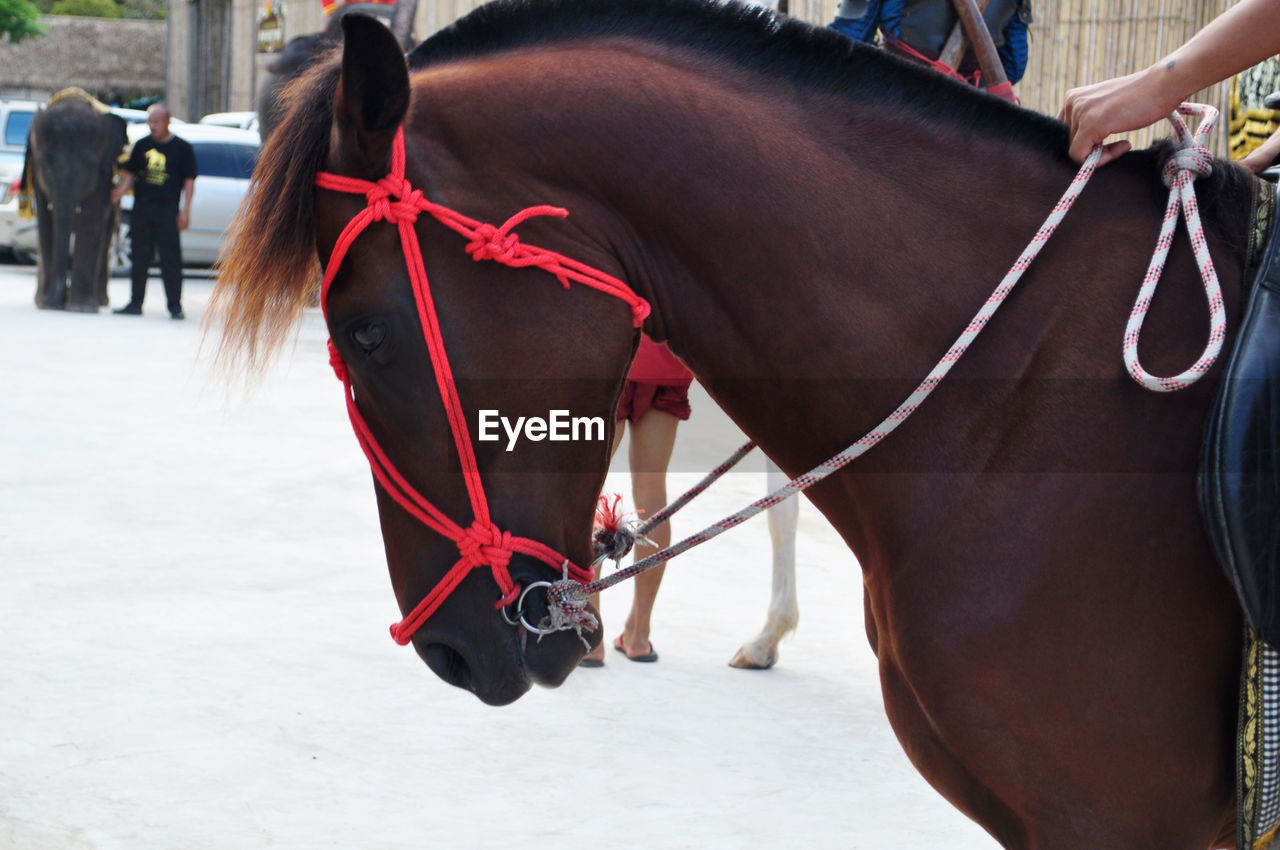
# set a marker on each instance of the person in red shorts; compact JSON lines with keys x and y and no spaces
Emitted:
{"x":654,"y":401}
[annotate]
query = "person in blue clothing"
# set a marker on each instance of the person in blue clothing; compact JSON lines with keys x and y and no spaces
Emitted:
{"x":922,"y":26}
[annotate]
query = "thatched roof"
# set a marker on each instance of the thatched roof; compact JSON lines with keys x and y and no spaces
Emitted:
{"x":100,"y":55}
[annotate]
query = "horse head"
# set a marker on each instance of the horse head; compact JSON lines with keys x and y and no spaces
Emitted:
{"x":467,"y":370}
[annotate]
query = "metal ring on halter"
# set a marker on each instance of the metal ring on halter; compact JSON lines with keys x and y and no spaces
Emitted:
{"x":507,"y":617}
{"x":519,"y":615}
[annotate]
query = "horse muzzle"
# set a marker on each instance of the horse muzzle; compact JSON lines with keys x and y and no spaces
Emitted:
{"x":509,"y":659}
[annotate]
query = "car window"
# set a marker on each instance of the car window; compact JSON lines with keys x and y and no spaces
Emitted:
{"x":246,"y":158}
{"x":16,"y":126}
{"x":223,"y":159}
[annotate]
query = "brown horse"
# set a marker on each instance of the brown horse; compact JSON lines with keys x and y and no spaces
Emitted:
{"x":812,"y":224}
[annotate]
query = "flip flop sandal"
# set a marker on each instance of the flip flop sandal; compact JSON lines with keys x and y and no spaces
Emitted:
{"x":648,"y":658}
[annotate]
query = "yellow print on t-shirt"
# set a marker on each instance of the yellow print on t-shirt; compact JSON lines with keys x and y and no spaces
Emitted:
{"x":156,"y":167}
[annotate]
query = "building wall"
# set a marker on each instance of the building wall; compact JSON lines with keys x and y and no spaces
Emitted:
{"x":215,"y":65}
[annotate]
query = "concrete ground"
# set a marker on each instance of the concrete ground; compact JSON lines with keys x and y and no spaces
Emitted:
{"x":194,"y":651}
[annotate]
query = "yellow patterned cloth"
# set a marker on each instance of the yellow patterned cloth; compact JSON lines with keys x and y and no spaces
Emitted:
{"x":26,"y":209}
{"x":1258,"y":746}
{"x":1250,"y":122}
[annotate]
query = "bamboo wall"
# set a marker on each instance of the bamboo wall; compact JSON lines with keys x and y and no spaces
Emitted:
{"x":1075,"y":42}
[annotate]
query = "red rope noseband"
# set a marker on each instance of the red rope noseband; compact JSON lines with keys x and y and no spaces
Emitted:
{"x":394,"y":200}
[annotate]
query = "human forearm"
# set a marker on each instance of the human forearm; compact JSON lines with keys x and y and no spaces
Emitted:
{"x":125,"y":184}
{"x":1263,"y":155}
{"x":184,"y":213}
{"x":1239,"y":38}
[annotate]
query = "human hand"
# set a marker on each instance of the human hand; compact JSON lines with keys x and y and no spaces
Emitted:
{"x":1262,"y":156}
{"x":184,"y":219}
{"x":1094,"y":112}
{"x":1256,"y":162}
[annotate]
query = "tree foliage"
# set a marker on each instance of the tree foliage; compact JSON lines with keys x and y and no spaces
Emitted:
{"x":150,"y":10}
{"x":86,"y":8}
{"x":18,"y":20}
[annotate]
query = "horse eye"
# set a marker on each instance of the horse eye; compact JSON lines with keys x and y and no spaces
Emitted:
{"x":370,"y":336}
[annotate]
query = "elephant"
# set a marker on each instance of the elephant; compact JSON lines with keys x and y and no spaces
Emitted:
{"x":72,"y":148}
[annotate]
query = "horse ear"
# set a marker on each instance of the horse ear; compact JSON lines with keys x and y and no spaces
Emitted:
{"x":373,"y":92}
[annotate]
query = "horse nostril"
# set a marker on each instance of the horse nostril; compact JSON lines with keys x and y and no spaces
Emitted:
{"x":448,"y":664}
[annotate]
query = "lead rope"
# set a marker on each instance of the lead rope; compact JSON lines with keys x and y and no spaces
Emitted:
{"x":566,"y":599}
{"x":614,"y":538}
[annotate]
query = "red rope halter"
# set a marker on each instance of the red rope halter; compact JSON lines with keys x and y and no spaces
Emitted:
{"x":394,"y":200}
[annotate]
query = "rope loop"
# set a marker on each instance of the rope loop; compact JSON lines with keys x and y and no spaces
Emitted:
{"x":509,"y":597}
{"x":336,"y":362}
{"x":1191,"y":158}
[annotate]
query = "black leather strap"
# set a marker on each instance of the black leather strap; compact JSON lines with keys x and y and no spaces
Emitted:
{"x":1239,"y":484}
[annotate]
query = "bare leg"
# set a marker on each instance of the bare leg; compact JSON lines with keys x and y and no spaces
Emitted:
{"x":652,"y":439}
{"x":784,"y":612}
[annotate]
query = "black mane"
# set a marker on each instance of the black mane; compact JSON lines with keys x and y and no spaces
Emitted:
{"x":810,"y":57}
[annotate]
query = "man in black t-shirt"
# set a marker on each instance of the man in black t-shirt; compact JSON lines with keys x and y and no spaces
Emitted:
{"x":161,"y":170}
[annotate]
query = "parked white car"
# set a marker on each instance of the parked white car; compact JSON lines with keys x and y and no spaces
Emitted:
{"x":139,"y":116}
{"x":242,"y":120}
{"x":225,"y":158}
{"x":15,"y":119}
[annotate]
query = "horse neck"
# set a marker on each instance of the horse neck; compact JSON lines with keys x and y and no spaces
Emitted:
{"x":808,"y":256}
{"x":705,"y":183}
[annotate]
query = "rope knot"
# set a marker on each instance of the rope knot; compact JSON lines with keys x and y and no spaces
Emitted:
{"x":567,"y":609}
{"x":613,"y":536}
{"x":491,"y":243}
{"x":379,"y":200}
{"x":405,"y":206}
{"x":1195,"y":158}
{"x":403,"y":211}
{"x":484,"y":543}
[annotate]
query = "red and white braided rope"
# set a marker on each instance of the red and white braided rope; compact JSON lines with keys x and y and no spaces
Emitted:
{"x":1191,"y":160}
{"x":566,"y":598}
